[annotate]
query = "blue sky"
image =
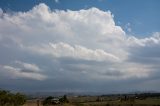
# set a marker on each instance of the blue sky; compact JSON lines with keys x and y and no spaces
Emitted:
{"x":81,"y":45}
{"x":142,"y":15}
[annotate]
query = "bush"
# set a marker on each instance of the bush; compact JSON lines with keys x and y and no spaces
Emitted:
{"x":64,"y":99}
{"x":10,"y":99}
{"x":51,"y":100}
{"x":48,"y":100}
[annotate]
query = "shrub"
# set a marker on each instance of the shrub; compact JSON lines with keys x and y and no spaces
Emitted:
{"x":10,"y":99}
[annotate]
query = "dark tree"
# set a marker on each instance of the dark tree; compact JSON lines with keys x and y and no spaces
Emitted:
{"x":10,"y":99}
{"x":48,"y":100}
{"x":64,"y":99}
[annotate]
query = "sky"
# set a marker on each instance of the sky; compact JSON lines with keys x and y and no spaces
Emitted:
{"x":80,"y":46}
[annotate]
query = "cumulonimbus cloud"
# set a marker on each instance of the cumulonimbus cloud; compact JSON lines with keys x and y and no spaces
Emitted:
{"x":86,"y":35}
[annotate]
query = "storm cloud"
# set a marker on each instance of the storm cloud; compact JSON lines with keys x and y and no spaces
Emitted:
{"x":74,"y":50}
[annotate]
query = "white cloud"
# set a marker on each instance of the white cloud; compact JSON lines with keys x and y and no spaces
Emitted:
{"x":78,"y":26}
{"x":77,"y":52}
{"x":28,"y":66}
{"x":57,"y":1}
{"x":84,"y":35}
{"x":22,"y":70}
{"x":128,"y":27}
{"x":148,"y":41}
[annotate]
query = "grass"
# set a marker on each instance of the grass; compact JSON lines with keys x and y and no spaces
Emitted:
{"x":91,"y":101}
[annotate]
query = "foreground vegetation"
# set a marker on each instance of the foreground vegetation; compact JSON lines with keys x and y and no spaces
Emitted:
{"x":146,"y":102}
{"x":145,"y":99}
{"x":104,"y":100}
{"x":118,"y":102}
{"x":10,"y":99}
{"x":55,"y":101}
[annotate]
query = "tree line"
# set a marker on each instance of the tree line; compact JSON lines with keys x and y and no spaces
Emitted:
{"x":52,"y":100}
{"x":11,"y":99}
